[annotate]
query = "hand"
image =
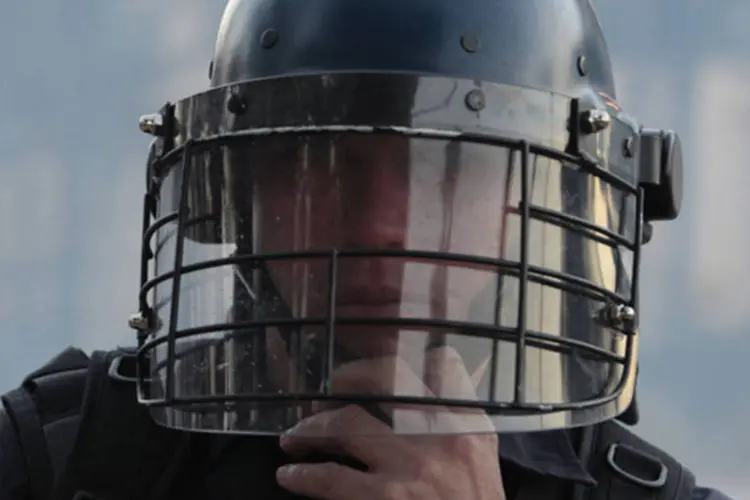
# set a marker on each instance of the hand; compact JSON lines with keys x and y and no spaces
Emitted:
{"x":426,"y":467}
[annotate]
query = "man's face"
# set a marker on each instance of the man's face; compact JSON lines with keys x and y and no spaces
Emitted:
{"x":380,"y":192}
{"x":369,"y":193}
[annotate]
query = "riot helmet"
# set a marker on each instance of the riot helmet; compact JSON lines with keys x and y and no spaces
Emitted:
{"x":387,"y":182}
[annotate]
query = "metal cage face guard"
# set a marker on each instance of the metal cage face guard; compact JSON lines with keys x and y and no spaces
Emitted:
{"x":473,"y":247}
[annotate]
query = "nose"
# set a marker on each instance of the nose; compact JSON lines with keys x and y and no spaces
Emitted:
{"x":377,"y":207}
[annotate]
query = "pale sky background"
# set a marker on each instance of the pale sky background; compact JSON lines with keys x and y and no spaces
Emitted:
{"x":76,"y":76}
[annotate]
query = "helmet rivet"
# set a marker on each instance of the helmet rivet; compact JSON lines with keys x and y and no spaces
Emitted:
{"x":145,"y":323}
{"x":581,"y":64}
{"x":236,"y":104}
{"x":138,"y":322}
{"x":152,"y":124}
{"x":594,"y":121}
{"x":628,"y":147}
{"x":617,"y":315}
{"x":269,"y":38}
{"x":475,"y":100}
{"x":470,"y":43}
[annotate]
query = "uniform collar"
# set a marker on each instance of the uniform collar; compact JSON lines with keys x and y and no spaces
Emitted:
{"x":547,"y":453}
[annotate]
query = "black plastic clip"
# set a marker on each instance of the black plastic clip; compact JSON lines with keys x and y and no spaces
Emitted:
{"x":652,"y":473}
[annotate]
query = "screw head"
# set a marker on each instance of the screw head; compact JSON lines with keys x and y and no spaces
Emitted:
{"x":269,"y":38}
{"x":594,"y":121}
{"x":475,"y":100}
{"x":143,"y":324}
{"x":470,"y":43}
{"x":616,"y":315}
{"x":138,"y":322}
{"x":151,"y":124}
{"x":628,"y":147}
{"x":582,"y":66}
{"x":236,"y":104}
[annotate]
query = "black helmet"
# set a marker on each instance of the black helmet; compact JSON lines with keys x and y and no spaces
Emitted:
{"x":441,"y":191}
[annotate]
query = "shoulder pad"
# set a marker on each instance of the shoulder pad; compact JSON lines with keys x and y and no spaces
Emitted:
{"x":69,"y":359}
{"x":14,"y":480}
{"x":38,"y":423}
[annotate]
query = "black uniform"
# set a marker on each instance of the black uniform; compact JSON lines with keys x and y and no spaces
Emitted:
{"x":550,"y":465}
{"x":392,"y":184}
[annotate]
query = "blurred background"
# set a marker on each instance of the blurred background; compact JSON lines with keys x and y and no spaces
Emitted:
{"x":77,"y":75}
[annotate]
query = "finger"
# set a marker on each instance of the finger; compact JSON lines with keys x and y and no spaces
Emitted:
{"x":447,"y":376}
{"x":383,"y":376}
{"x":479,"y":372}
{"x":348,"y":431}
{"x":386,"y":376}
{"x":443,"y":375}
{"x":326,"y":481}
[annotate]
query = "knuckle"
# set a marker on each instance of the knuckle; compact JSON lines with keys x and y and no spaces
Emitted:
{"x":452,"y":356}
{"x":454,"y":364}
{"x":490,"y":440}
{"x":345,"y":419}
{"x":445,"y":362}
{"x":358,"y":376}
{"x":428,"y":470}
{"x":325,"y":477}
{"x":396,"y":490}
{"x":464,"y":446}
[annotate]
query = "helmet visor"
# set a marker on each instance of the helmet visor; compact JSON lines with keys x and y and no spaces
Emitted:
{"x":386,"y":271}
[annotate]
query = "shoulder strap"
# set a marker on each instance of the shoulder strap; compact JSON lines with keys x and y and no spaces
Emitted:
{"x":44,"y":413}
{"x":119,"y":452}
{"x":628,"y":468}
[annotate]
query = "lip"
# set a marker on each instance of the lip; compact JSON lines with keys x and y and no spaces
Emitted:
{"x":365,"y":300}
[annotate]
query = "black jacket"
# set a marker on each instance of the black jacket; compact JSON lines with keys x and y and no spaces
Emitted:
{"x":244,"y":468}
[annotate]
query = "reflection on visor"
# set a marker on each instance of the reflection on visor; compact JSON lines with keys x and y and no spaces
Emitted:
{"x":417,"y":323}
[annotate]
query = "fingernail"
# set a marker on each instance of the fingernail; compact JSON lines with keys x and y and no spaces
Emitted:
{"x":284,"y":472}
{"x":290,"y":431}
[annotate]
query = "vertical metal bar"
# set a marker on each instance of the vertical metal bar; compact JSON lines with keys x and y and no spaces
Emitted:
{"x":639,"y":201}
{"x":259,"y":333}
{"x":523,"y":278}
{"x":213,"y":364}
{"x":230,"y":379}
{"x":328,"y":361}
{"x":635,"y":283}
{"x":621,"y":272}
{"x":174,"y":310}
{"x":495,"y":343}
{"x":146,"y":253}
{"x":143,"y":307}
{"x":501,"y":273}
{"x":630,"y":335}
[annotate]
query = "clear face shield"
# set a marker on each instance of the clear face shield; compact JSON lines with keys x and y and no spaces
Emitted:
{"x":445,"y":285}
